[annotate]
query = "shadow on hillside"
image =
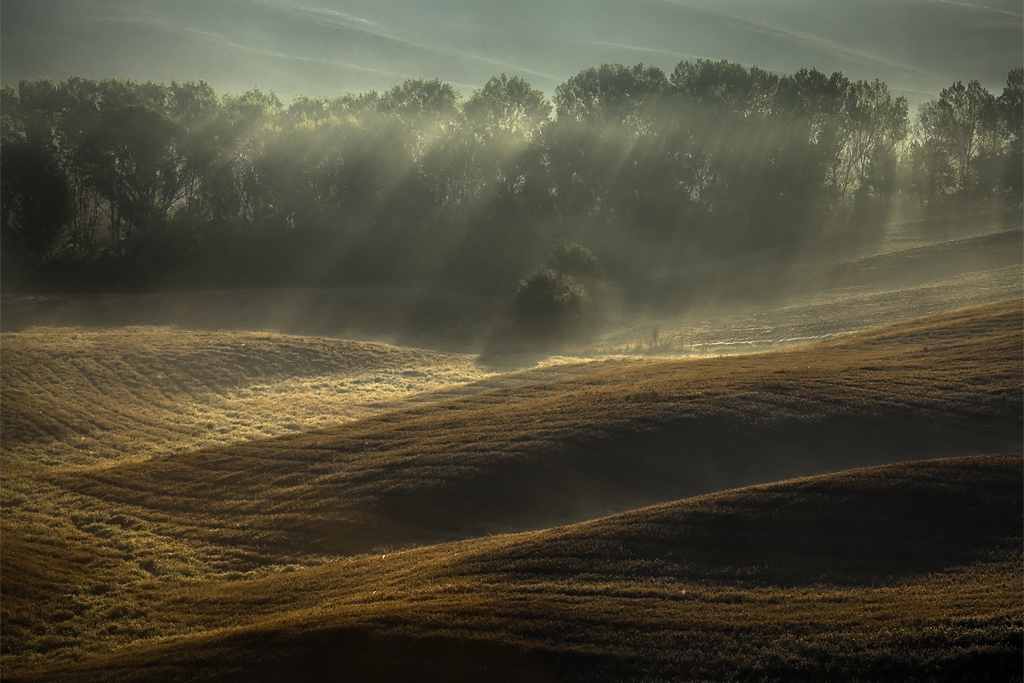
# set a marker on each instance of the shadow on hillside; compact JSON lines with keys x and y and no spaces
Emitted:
{"x":865,"y":527}
{"x":592,"y":478}
{"x":349,"y":654}
{"x":405,"y":316}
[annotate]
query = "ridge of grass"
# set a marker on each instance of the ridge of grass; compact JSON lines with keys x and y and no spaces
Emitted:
{"x":101,"y":559}
{"x":900,"y":572}
{"x":81,"y":397}
{"x":628,"y":434}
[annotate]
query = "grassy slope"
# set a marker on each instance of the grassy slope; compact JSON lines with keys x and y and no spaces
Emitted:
{"x":78,"y":397}
{"x":630,"y":433}
{"x":889,"y":573}
{"x":611,"y":436}
{"x":764,"y":300}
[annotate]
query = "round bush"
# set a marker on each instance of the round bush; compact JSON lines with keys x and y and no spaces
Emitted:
{"x":549,"y":302}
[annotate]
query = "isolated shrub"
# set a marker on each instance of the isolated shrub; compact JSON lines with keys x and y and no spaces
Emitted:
{"x":558,"y":302}
{"x":550,"y":303}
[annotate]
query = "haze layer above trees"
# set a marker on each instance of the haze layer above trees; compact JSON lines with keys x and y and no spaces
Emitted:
{"x":117,"y":182}
{"x":328,"y":47}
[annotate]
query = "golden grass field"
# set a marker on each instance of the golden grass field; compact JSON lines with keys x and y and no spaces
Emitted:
{"x":200,"y":505}
{"x":88,"y":397}
{"x":876,"y":574}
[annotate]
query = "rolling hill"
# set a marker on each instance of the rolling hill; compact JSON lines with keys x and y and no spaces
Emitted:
{"x":74,"y":396}
{"x":261,"y":557}
{"x":892,"y":573}
{"x":624,"y":435}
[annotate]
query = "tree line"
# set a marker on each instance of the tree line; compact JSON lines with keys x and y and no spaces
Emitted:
{"x":113,"y":182}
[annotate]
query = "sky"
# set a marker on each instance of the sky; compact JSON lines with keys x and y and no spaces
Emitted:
{"x":330,"y":47}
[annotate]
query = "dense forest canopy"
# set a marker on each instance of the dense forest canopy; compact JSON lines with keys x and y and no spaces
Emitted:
{"x":116,"y":182}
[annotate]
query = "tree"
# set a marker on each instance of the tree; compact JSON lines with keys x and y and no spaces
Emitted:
{"x":413,"y":182}
{"x":34,"y":200}
{"x":132,"y":161}
{"x":508,"y":105}
{"x":957,"y":124}
{"x":574,"y":260}
{"x":549,"y":304}
{"x":612,"y":93}
{"x":504,"y":147}
{"x":50,"y":119}
{"x":557,"y":300}
{"x":309,"y":111}
{"x":876,"y":124}
{"x":1010,"y":107}
{"x":424,"y":105}
{"x":725,"y":87}
{"x":253,"y":109}
{"x":206,"y":153}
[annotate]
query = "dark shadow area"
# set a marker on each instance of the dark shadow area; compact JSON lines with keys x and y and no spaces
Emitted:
{"x":117,"y":186}
{"x":877,"y":526}
{"x":872,"y":527}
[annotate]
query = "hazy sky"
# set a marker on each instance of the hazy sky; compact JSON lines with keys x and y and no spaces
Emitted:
{"x":328,"y":47}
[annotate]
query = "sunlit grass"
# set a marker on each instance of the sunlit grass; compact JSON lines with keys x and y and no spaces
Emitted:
{"x":75,"y":397}
{"x":135,"y":530}
{"x":647,"y":593}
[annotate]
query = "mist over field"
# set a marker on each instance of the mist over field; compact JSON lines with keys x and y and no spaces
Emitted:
{"x":502,"y":341}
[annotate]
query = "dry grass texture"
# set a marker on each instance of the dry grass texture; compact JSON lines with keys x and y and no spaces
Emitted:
{"x":875,"y":574}
{"x":131,"y":538}
{"x":627,"y":433}
{"x":76,"y":397}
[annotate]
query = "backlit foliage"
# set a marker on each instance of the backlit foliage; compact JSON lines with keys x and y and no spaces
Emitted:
{"x":115,"y":182}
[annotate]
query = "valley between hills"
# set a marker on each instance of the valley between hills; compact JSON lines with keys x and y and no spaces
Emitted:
{"x":844,"y":510}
